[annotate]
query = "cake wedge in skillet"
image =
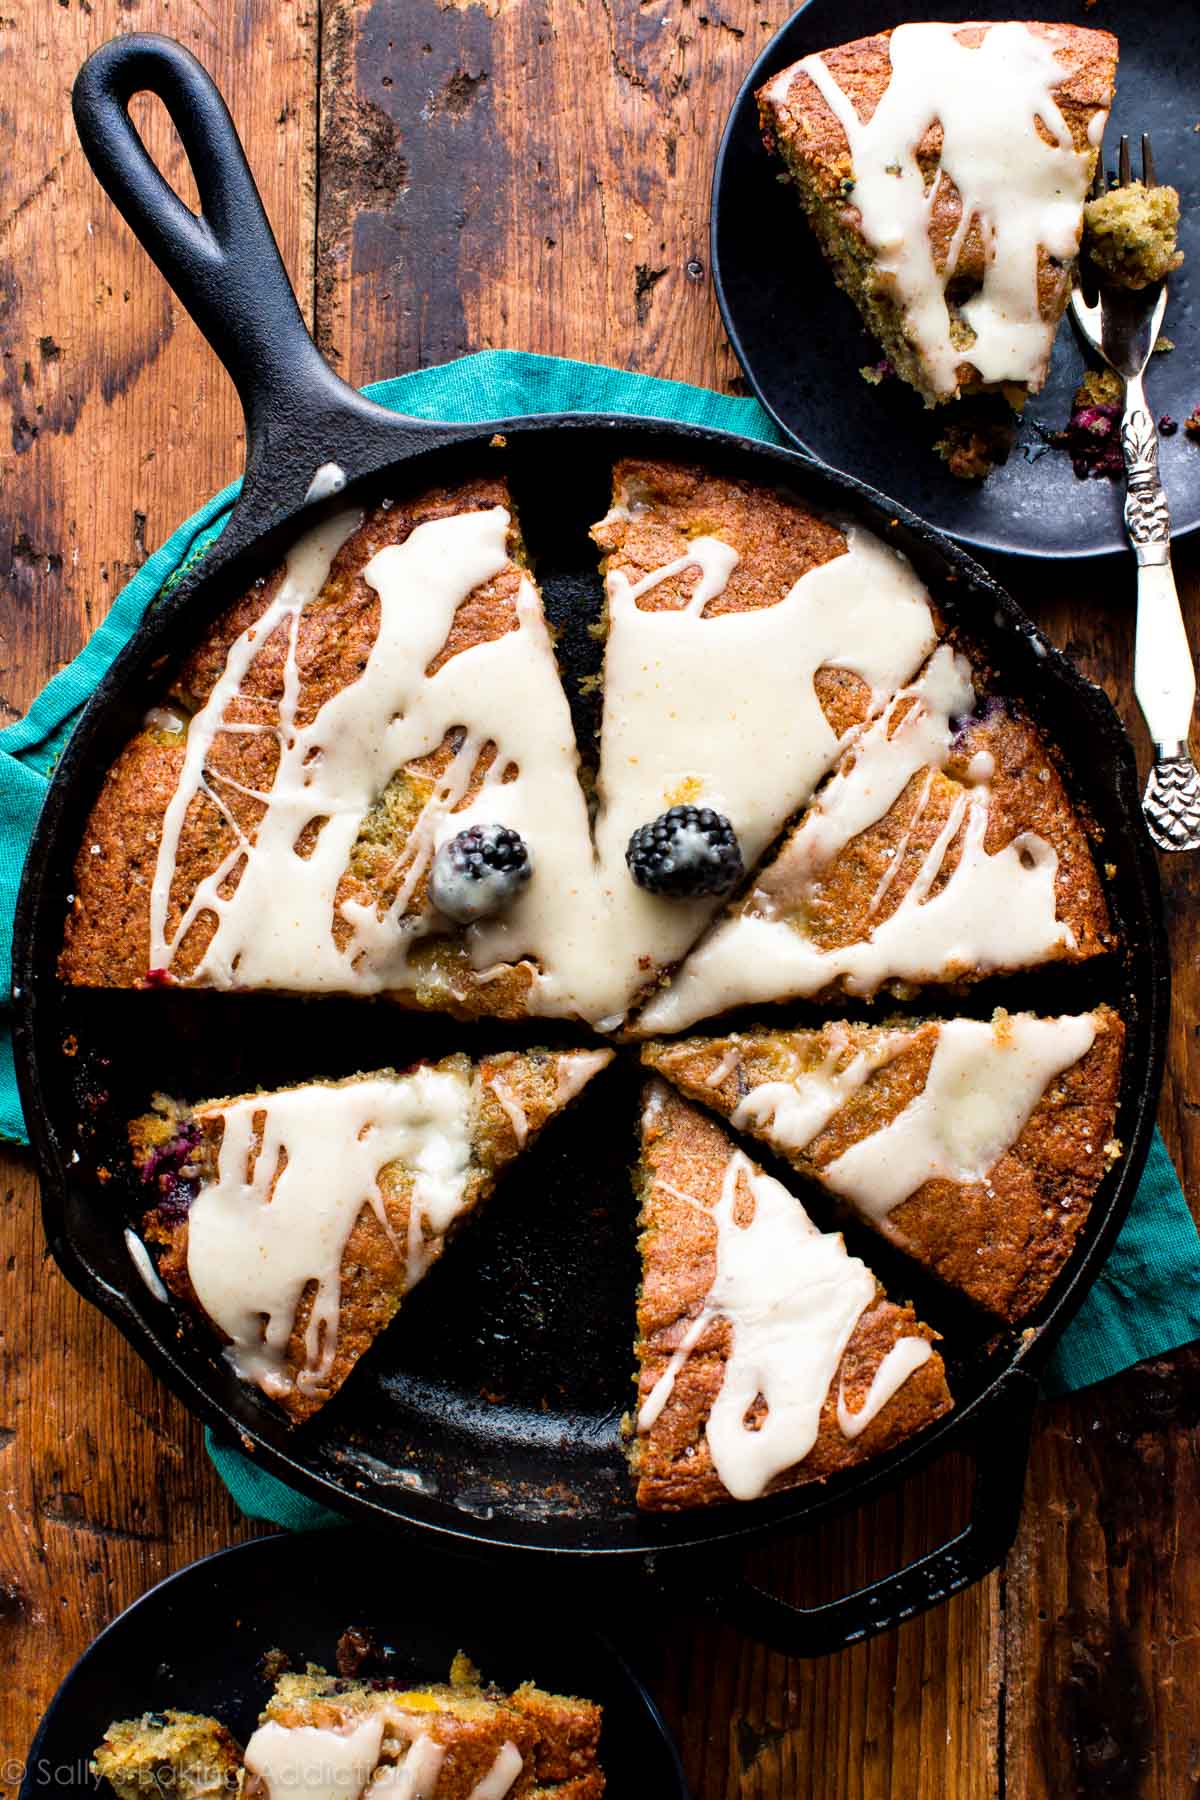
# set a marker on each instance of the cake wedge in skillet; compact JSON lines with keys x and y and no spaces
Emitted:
{"x":944,"y":848}
{"x":295,"y":1222}
{"x":976,"y":1146}
{"x":275,"y":821}
{"x":944,"y":169}
{"x":767,"y":1355}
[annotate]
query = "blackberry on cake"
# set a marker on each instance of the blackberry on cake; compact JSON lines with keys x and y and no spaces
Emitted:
{"x":479,"y":872}
{"x":686,"y":853}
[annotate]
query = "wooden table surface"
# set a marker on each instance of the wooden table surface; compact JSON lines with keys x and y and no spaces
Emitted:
{"x":444,"y":176}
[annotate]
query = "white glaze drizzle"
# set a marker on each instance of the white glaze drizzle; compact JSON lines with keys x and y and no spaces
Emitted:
{"x":791,"y":1113}
{"x":304,"y":1759}
{"x":996,"y":911}
{"x":983,"y":1083}
{"x":142,"y":1262}
{"x":724,"y":704}
{"x":512,"y":1107}
{"x":255,"y":1242}
{"x":728,"y":1063}
{"x":1024,"y":192}
{"x":904,"y":1358}
{"x":575,"y":1070}
{"x":329,"y":479}
{"x":498,"y":1780}
{"x":415,"y":1776}
{"x":913,"y":732}
{"x":900,"y":850}
{"x":792,"y":1297}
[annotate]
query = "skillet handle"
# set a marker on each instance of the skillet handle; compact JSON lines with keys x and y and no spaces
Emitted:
{"x":225,"y":265}
{"x":1001,"y":1454}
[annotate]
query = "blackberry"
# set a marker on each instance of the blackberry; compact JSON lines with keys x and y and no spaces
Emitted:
{"x":479,"y":872}
{"x":685,"y":853}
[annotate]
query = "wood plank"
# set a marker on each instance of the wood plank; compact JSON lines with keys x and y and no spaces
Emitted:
{"x":1102,"y":1644}
{"x":117,"y":421}
{"x":1102,"y":1613}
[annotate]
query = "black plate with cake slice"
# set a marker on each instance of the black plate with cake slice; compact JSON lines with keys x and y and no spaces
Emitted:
{"x":803,"y":345}
{"x":197,"y":1642}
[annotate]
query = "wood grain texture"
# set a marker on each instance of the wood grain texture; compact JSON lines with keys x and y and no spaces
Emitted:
{"x":448,"y":175}
{"x":115,"y":420}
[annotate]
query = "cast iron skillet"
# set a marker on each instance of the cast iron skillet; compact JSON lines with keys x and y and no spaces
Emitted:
{"x":489,"y":1413}
{"x":197,"y":1641}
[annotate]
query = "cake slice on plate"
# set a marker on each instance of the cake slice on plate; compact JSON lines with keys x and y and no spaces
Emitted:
{"x":295,"y":1222}
{"x":458,"y":1740}
{"x":944,"y":169}
{"x":462,"y":1739}
{"x":975,"y":1146}
{"x":767,"y":1355}
{"x":945,"y":847}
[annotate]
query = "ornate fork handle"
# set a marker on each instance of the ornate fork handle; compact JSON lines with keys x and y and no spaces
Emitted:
{"x":1147,"y":515}
{"x":1164,"y":679}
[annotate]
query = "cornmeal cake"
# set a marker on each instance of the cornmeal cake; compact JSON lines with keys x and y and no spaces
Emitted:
{"x":366,"y":779}
{"x":457,"y":1740}
{"x":944,"y":169}
{"x":944,"y":848}
{"x":178,"y":1753}
{"x":295,"y":1222}
{"x":767,"y":1356}
{"x":1131,"y":234}
{"x":976,"y":1146}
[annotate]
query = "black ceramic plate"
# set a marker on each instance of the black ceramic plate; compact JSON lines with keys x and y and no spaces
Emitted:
{"x":802,"y":344}
{"x":197,"y":1640}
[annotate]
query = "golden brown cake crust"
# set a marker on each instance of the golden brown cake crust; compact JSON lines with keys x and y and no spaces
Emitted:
{"x":107,"y":939}
{"x":188,"y":1755}
{"x":557,"y":1735}
{"x":373,"y":1277}
{"x":1027,"y":794}
{"x":812,"y":142}
{"x":1003,"y":1241}
{"x":777,"y":539}
{"x":685,"y":1150}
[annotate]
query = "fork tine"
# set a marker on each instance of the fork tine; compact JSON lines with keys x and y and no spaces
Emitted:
{"x":1097,"y":179}
{"x":1124,"y":176}
{"x":1148,"y":175}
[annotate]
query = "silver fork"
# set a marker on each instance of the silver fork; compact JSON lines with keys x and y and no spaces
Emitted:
{"x":1122,"y":325}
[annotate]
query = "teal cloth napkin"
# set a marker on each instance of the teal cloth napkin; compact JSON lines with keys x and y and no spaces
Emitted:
{"x":1147,"y":1298}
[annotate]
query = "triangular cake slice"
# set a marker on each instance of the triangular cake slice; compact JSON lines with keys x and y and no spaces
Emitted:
{"x":976,"y":1146}
{"x":747,"y":640}
{"x":944,"y":848}
{"x":295,"y":1222}
{"x":275,"y":821}
{"x":767,"y":1355}
{"x":944,"y":169}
